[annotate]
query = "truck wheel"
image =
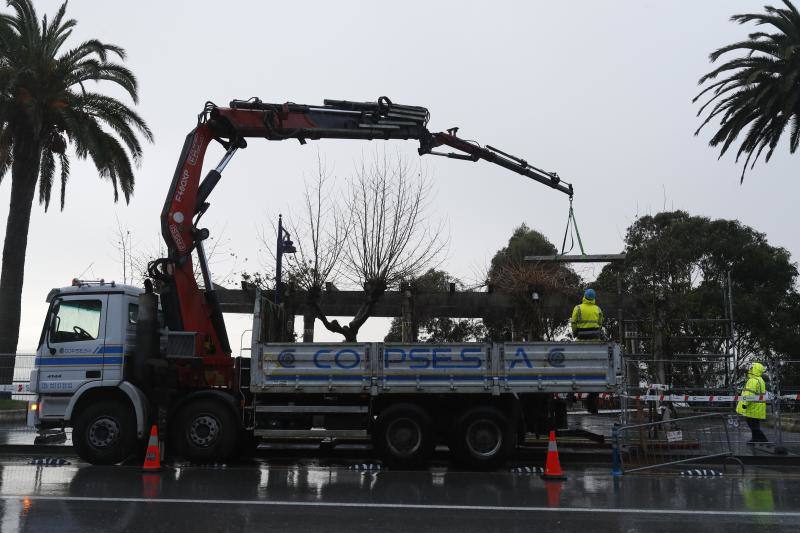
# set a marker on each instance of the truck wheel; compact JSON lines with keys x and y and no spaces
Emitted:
{"x":204,"y":430}
{"x":482,"y":438}
{"x":104,"y":433}
{"x":403,"y":435}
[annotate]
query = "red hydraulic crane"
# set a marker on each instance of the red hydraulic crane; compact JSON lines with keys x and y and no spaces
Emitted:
{"x":187,"y":307}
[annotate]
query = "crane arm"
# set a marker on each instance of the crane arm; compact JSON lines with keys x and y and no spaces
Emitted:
{"x":474,"y":152}
{"x":188,"y":308}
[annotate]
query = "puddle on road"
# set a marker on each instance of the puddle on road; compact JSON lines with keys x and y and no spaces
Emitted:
{"x":759,"y":490}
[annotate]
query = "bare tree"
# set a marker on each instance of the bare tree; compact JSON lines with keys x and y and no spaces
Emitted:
{"x":122,"y":241}
{"x":135,"y":257}
{"x":391,"y":238}
{"x":320,"y":235}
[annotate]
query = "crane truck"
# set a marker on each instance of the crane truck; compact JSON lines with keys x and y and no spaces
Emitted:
{"x":114,"y":359}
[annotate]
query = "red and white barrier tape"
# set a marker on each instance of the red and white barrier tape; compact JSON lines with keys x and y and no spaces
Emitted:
{"x":701,"y":398}
{"x":584,"y":395}
{"x":683,"y":397}
{"x":18,"y":388}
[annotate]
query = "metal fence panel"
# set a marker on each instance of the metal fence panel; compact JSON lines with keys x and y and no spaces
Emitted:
{"x":690,"y":439}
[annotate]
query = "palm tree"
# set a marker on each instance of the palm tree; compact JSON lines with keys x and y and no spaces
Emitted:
{"x":46,"y":107}
{"x":760,"y":91}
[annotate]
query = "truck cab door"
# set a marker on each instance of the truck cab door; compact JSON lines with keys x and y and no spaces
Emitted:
{"x":72,"y":353}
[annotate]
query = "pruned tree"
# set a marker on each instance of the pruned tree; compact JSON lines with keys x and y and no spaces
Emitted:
{"x":391,"y":238}
{"x":511,"y":274}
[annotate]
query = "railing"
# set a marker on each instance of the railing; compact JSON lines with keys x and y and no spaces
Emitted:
{"x":691,"y":439}
{"x":699,"y":386}
{"x":15,"y":373}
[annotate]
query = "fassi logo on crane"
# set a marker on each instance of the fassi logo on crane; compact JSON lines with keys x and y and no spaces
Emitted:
{"x":191,"y":159}
{"x":194,"y":151}
{"x":178,"y":217}
{"x":181,"y":190}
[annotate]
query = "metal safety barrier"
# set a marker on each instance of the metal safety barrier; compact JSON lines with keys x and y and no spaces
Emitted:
{"x":691,"y":439}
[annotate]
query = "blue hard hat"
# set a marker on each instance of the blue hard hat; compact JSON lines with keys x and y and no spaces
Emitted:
{"x":589,"y":294}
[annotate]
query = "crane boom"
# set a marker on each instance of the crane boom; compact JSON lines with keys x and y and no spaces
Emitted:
{"x":187,"y":307}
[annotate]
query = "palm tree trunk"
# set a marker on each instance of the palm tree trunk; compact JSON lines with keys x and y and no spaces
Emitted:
{"x":24,"y":171}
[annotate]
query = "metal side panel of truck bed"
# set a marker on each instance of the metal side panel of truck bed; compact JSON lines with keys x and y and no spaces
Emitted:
{"x":379,"y":368}
{"x":312,"y":367}
{"x":559,"y":367}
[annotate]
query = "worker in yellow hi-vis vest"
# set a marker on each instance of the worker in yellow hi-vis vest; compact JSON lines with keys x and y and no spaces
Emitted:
{"x":587,"y":318}
{"x":754,"y":411}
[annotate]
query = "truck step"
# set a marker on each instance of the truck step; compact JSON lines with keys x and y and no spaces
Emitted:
{"x":311,"y":409}
{"x":312,"y":433}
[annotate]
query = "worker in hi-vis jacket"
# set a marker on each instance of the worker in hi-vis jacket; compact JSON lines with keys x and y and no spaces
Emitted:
{"x":587,"y":318}
{"x":754,"y":411}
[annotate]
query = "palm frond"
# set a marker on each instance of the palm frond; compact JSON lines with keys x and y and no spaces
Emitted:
{"x":46,"y":170}
{"x":34,"y":62}
{"x":63,"y":160}
{"x":761,"y":90}
{"x":6,"y":144}
{"x":794,"y":137}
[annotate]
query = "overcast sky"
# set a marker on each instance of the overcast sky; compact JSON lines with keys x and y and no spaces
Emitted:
{"x":598,"y":91}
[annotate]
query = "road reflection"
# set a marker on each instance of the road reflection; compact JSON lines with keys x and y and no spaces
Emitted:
{"x":298,"y":483}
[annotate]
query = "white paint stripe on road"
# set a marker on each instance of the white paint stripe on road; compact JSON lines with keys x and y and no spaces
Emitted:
{"x":434,"y":507}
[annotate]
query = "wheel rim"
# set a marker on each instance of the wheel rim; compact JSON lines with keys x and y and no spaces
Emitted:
{"x":484,"y":438}
{"x":104,"y":432}
{"x":403,"y":437}
{"x":204,"y":430}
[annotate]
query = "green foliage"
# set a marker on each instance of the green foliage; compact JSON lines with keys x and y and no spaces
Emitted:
{"x":676,"y":268}
{"x":554,"y":282}
{"x":437,"y":329}
{"x":757,"y":94}
{"x":45,"y":104}
{"x":524,"y":241}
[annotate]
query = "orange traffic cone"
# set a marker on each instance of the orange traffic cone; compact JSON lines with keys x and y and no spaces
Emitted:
{"x":152,"y":457}
{"x":552,"y":467}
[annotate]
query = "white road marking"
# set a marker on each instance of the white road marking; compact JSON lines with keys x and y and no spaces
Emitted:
{"x":435,"y":507}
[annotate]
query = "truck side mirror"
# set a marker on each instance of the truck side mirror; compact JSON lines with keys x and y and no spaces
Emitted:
{"x":53,"y":326}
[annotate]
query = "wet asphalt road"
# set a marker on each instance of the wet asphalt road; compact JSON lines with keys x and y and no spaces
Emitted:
{"x":309,"y":497}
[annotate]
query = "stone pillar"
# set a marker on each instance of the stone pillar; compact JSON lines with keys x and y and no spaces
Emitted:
{"x":308,"y":327}
{"x":407,"y":326}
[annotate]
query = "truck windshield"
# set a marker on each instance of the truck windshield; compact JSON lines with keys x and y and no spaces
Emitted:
{"x":77,"y":320}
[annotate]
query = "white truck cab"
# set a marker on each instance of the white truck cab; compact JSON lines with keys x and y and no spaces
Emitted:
{"x":80,"y":361}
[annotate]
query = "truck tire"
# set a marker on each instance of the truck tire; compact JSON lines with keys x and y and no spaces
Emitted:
{"x":403,"y":436}
{"x":104,"y":433}
{"x":204,"y":430}
{"x":482,"y":438}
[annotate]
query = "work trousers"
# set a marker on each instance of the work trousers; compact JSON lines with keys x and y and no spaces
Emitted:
{"x":755,"y":429}
{"x":586,"y":334}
